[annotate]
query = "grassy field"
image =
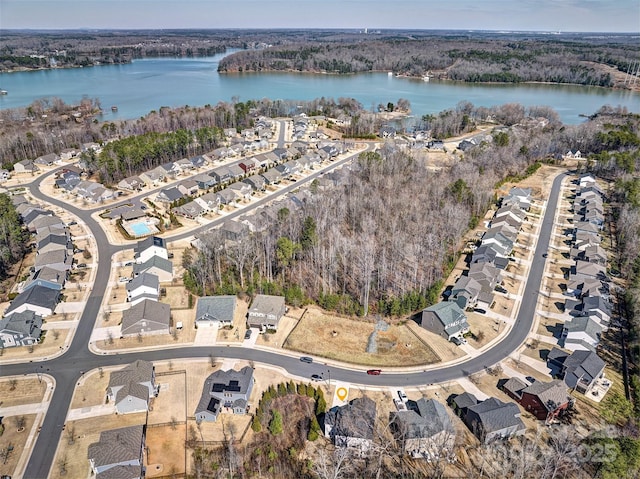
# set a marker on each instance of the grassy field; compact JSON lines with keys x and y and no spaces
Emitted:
{"x":346,"y":340}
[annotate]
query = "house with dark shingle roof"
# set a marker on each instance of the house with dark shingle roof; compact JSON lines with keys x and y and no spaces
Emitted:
{"x":20,"y":329}
{"x":46,"y":277}
{"x":581,"y":333}
{"x":118,"y":454}
{"x":131,"y":388}
{"x":493,"y":419}
{"x":169,"y":195}
{"x":132,"y":183}
{"x":143,"y":286}
{"x":545,"y":400}
{"x":425,"y":430}
{"x":445,"y":319}
{"x":580,"y":369}
{"x":148,"y":247}
{"x":215,"y":311}
{"x":352,"y":425}
{"x":225,"y":391}
{"x":38,"y":299}
{"x":146,"y":317}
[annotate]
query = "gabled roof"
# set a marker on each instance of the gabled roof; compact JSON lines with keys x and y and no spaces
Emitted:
{"x":447,"y":312}
{"x":496,"y":415}
{"x":139,"y":371}
{"x":216,"y":308}
{"x":515,"y":386}
{"x":154,"y":261}
{"x":585,"y":364}
{"x":171,"y":194}
{"x":144,"y":279}
{"x":149,"y":242}
{"x":429,"y":419}
{"x":117,"y":445}
{"x":36,"y":296}
{"x":267,"y":305}
{"x":26,"y":322}
{"x":552,"y":394}
{"x":145,"y":316}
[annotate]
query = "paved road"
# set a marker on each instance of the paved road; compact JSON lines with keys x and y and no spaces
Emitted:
{"x":67,"y":369}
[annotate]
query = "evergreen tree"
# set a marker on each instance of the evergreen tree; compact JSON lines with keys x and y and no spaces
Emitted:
{"x":275,"y":425}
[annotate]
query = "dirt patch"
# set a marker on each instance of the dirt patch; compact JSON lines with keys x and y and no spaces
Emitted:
{"x":346,"y":340}
{"x":92,"y":390}
{"x":19,"y":391}
{"x":484,"y":328}
{"x":166,"y":454}
{"x":170,"y":404}
{"x":13,"y":441}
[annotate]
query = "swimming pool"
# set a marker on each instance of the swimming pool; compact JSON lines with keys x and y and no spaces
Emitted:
{"x":141,"y":228}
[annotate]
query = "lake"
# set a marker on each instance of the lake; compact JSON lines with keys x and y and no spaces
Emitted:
{"x":144,"y":85}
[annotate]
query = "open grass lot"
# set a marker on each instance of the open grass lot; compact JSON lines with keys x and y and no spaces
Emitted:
{"x":489,"y":328}
{"x":22,"y":391}
{"x":92,"y":390}
{"x":445,"y":350}
{"x":502,"y":305}
{"x":85,"y":432}
{"x":286,"y":325}
{"x":165,"y":450}
{"x":550,"y":327}
{"x":12,"y":438}
{"x":346,"y":340}
{"x":540,"y":351}
{"x":169,"y":405}
{"x":236,"y":334}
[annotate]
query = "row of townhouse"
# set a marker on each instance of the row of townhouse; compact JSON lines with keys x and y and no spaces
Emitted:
{"x":587,"y":284}
{"x":70,"y":178}
{"x":39,"y":294}
{"x":50,"y":159}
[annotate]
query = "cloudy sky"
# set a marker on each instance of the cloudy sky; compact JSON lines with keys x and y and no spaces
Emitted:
{"x":530,"y":15}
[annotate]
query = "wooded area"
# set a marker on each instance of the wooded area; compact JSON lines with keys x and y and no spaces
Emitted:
{"x":13,"y":238}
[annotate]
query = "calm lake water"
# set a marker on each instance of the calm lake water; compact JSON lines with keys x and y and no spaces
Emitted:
{"x":144,"y":85}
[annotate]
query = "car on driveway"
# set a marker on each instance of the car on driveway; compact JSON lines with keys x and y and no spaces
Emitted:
{"x":479,"y":310}
{"x":123,"y":279}
{"x":247,"y":335}
{"x":374,"y":372}
{"x":402,"y":395}
{"x":459,"y":340}
{"x":316,"y":377}
{"x":306,"y":359}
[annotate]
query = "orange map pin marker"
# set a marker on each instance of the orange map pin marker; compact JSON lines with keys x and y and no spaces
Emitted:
{"x":342,"y":393}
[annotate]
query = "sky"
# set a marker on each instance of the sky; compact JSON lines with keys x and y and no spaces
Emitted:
{"x":510,"y":15}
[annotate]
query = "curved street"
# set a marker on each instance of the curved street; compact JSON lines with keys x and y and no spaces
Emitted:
{"x":67,"y":368}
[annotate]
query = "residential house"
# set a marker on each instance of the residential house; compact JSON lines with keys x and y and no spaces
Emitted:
{"x":234,"y":231}
{"x":594,"y":254}
{"x":59,"y":259}
{"x":579,"y":369}
{"x":119,"y":453}
{"x":225,"y":391}
{"x":586,"y":269}
{"x":146,"y":317}
{"x":493,"y":419}
{"x":68,"y":180}
{"x":222,"y":175}
{"x":156,"y":265}
{"x":352,"y":425}
{"x":204,"y":181}
{"x":486,"y":274}
{"x":215,"y":311}
{"x":586,"y":227}
{"x":169,"y":195}
{"x":132,"y":183}
{"x":425,"y":430}
{"x":46,"y":160}
{"x":256,"y":182}
{"x":54,"y":242}
{"x":460,"y":403}
{"x":25,"y":166}
{"x":498,"y":241}
{"x":445,"y":319}
{"x":185,"y":165}
{"x":191,"y":210}
{"x":67,"y":153}
{"x":544,"y":400}
{"x":465,"y":292}
{"x":152,"y":177}
{"x":227,"y":196}
{"x":170,"y":170}
{"x":266,"y":311}
{"x":38,"y":299}
{"x":189,"y":187}
{"x":581,"y":333}
{"x":144,"y":286}
{"x":249,"y":165}
{"x":131,"y":388}
{"x":20,"y":329}
{"x":241,"y":189}
{"x":489,"y":254}
{"x":199,"y":161}
{"x":45,"y":221}
{"x":150,"y":246}
{"x":520,"y":197}
{"x":579,"y":286}
{"x":586,"y":179}
{"x":47,"y":277}
{"x":272,"y":176}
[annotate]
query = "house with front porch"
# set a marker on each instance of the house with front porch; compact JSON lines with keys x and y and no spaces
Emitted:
{"x":445,"y":319}
{"x":225,"y":391}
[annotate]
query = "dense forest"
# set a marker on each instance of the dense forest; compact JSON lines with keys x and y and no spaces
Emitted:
{"x":456,"y":57}
{"x":13,"y":237}
{"x":382,"y":239}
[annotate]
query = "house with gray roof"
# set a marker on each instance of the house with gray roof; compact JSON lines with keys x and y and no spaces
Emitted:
{"x":119,"y":453}
{"x":60,"y":259}
{"x":225,"y":391}
{"x":146,"y":317}
{"x":25,"y":166}
{"x":468,"y":293}
{"x":266,"y":311}
{"x":204,"y":181}
{"x":241,"y":189}
{"x":157,"y":265}
{"x":579,"y":369}
{"x":424,"y":430}
{"x":493,"y":419}
{"x":46,"y":160}
{"x":445,"y":319}
{"x":520,"y":197}
{"x":132,"y":183}
{"x":545,"y":400}
{"x":272,"y":176}
{"x":20,"y":329}
{"x":54,"y":242}
{"x":148,"y":247}
{"x":352,"y":425}
{"x":191,"y":210}
{"x":38,"y":299}
{"x":223,"y":174}
{"x":45,"y":222}
{"x":585,"y":269}
{"x":215,"y":311}
{"x":487,"y":253}
{"x":498,"y":241}
{"x":143,"y":286}
{"x":152,"y":177}
{"x":227,"y":196}
{"x":581,"y":333}
{"x":256,"y":182}
{"x":46,"y":277}
{"x":169,"y":195}
{"x":131,"y":388}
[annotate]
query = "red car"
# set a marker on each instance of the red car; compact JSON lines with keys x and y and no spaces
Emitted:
{"x":374,"y":372}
